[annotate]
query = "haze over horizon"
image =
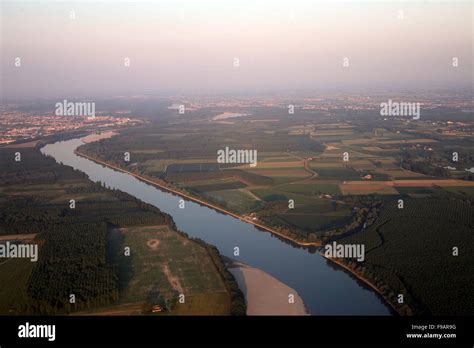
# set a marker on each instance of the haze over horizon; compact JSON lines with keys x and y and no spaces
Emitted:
{"x":185,"y":47}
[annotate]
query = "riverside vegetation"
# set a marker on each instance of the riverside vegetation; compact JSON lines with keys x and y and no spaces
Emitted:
{"x":78,"y":256}
{"x":301,"y":160}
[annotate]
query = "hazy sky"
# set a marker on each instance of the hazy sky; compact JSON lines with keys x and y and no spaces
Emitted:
{"x":190,"y":46}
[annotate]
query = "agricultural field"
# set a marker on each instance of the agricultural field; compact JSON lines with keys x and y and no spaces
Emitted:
{"x":241,"y":201}
{"x":75,"y":243}
{"x":14,"y":273}
{"x":163,"y":265}
{"x":328,"y":169}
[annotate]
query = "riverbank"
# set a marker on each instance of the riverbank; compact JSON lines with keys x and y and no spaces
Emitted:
{"x":301,"y":268}
{"x":363,"y":280}
{"x":264,"y":294}
{"x":252,"y":275}
{"x":96,"y":137}
{"x":197,"y":200}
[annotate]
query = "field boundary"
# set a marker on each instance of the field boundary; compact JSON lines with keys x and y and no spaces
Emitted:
{"x":195,"y":199}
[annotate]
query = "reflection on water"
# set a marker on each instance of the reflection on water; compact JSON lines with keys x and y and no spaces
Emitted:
{"x":325,"y":289}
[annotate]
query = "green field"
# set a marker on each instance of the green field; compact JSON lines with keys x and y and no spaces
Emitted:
{"x":219,"y":186}
{"x":75,"y":249}
{"x":235,"y":200}
{"x":299,"y":159}
{"x":310,"y":189}
{"x":316,"y":222}
{"x":164,"y":264}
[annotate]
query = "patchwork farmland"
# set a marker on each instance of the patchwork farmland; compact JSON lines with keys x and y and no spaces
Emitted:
{"x":311,"y":180}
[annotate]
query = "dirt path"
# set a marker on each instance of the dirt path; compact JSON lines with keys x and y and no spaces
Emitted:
{"x":309,"y":170}
{"x":174,"y":281}
{"x":29,"y":236}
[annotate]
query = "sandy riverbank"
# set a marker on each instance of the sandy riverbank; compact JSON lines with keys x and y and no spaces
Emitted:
{"x":264,"y":294}
{"x":226,"y":115}
{"x":96,"y":137}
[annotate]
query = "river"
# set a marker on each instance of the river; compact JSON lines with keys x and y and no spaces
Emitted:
{"x":324,"y":288}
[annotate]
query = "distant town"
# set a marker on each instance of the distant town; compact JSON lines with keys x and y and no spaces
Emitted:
{"x":20,"y":126}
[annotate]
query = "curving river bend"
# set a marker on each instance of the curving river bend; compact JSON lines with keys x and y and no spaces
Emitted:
{"x":324,"y":288}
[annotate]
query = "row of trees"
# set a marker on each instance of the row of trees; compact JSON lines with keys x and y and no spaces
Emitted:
{"x":72,"y":272}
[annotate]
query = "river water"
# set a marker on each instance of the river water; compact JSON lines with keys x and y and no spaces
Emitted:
{"x":324,"y":288}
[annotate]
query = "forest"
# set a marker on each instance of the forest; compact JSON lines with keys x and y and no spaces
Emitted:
{"x":74,"y":271}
